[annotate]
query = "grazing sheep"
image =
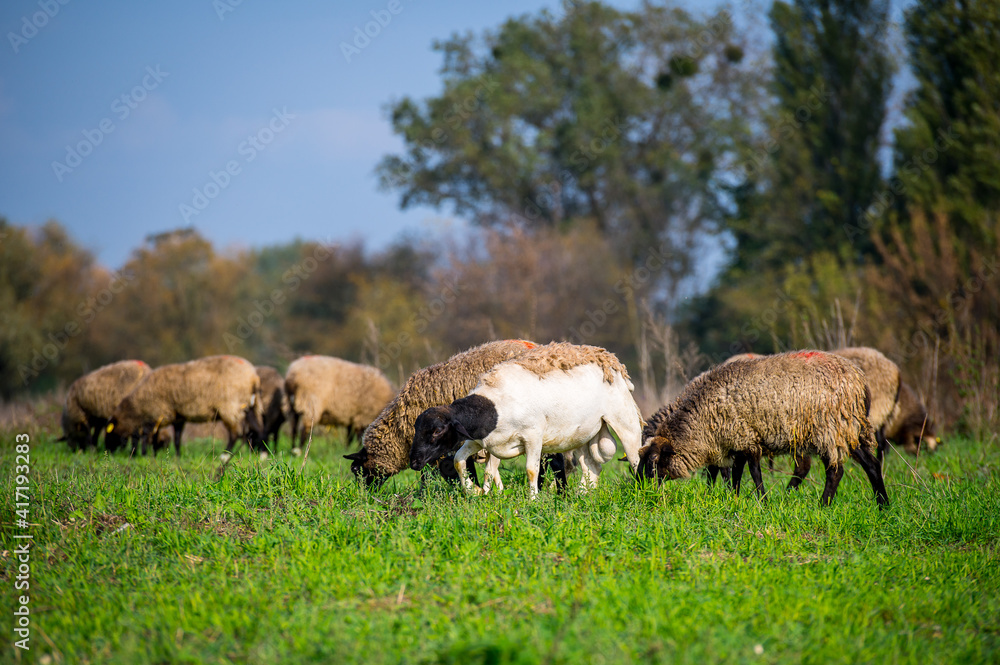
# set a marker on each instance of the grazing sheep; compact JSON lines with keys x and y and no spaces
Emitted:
{"x":224,"y":388}
{"x":807,"y":401}
{"x":274,"y":403}
{"x":385,"y":449}
{"x":911,"y":427}
{"x":91,"y":400}
{"x":330,"y":391}
{"x":556,"y":398}
{"x":882,"y":377}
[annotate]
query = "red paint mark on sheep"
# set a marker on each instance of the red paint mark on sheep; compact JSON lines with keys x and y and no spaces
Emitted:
{"x":806,"y":354}
{"x":528,"y":344}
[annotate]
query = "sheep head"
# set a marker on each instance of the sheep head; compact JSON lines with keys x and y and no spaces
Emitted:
{"x":658,"y":459}
{"x":436,"y":433}
{"x":363,"y":471}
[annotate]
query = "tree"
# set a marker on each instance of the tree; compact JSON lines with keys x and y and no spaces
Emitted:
{"x":179,"y":301}
{"x":832,"y":79}
{"x":625,"y":120}
{"x":947,"y":153}
{"x":45,"y":279}
{"x":806,"y":189}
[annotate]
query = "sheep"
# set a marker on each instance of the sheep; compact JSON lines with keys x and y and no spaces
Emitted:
{"x":882,"y":377}
{"x":226,"y":388}
{"x":385,"y":449}
{"x":808,"y":401}
{"x":330,"y":391}
{"x":557,"y":398}
{"x":274,"y":402}
{"x":91,"y":400}
{"x":910,"y":426}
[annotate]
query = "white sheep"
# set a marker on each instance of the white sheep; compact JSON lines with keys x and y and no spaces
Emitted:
{"x":557,"y":398}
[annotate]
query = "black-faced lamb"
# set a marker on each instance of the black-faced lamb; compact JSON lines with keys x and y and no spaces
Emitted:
{"x":805,"y":401}
{"x":91,"y":401}
{"x":329,"y":391}
{"x":386,"y":444}
{"x":556,"y":398}
{"x":223,"y":388}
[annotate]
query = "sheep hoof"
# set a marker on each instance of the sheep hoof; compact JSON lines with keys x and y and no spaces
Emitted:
{"x":296,"y":451}
{"x":225,"y":457}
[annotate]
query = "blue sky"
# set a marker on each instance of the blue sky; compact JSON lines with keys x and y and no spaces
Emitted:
{"x":197,"y":88}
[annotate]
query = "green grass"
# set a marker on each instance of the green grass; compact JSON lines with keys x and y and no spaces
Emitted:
{"x":270,"y":565}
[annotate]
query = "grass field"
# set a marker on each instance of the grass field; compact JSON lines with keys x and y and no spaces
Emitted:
{"x":270,"y":565}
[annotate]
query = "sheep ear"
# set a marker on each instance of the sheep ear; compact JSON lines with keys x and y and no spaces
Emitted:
{"x":359,"y":456}
{"x":663,"y":444}
{"x":461,"y":430}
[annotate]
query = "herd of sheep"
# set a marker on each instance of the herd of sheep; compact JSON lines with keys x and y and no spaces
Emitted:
{"x":560,"y":405}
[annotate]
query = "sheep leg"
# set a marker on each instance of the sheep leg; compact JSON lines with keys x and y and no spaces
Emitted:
{"x":753,"y":464}
{"x":882,"y":445}
{"x":295,"y":426}
{"x":469,"y":449}
{"x":178,"y":429}
{"x":873,"y":469}
{"x":492,"y":475}
{"x":834,"y":472}
{"x":711,"y":473}
{"x":533,"y":460}
{"x":590,"y":470}
{"x":803,"y":462}
{"x":558,"y":464}
{"x":737,"y":472}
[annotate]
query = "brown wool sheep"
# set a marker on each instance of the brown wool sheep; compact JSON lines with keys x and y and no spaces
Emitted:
{"x":224,"y":388}
{"x":386,"y":445}
{"x":882,"y":377}
{"x":274,"y":403}
{"x":807,"y":401}
{"x":91,"y":400}
{"x":330,"y":391}
{"x":911,"y":426}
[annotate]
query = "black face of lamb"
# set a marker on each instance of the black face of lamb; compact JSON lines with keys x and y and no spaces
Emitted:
{"x":434,"y":436}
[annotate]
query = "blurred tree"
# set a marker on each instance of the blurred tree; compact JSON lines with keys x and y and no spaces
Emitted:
{"x":947,"y":153}
{"x":806,"y":188}
{"x":45,"y":279}
{"x":180,"y":300}
{"x":819,"y":172}
{"x":628,"y":121}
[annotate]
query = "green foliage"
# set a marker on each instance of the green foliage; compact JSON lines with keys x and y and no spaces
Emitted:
{"x":818,"y":170}
{"x":274,"y":565}
{"x":44,"y":281}
{"x":624,"y":119}
{"x":946,"y":156}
